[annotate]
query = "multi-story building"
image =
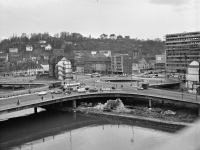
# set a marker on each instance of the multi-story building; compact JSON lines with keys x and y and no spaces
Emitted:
{"x":121,"y":63}
{"x":97,"y":64}
{"x":181,"y":50}
{"x":160,"y":62}
{"x":27,"y":68}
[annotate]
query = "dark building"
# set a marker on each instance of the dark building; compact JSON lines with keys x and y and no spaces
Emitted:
{"x":181,"y":50}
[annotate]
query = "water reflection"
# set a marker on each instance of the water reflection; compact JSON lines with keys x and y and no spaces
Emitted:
{"x":98,"y":137}
{"x":69,"y":130}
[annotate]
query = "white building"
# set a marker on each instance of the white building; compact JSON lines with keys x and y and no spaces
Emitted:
{"x":192,"y":77}
{"x":106,"y":53}
{"x":45,"y":66}
{"x":64,"y":69}
{"x":13,"y":50}
{"x":48,"y":47}
{"x":29,"y":48}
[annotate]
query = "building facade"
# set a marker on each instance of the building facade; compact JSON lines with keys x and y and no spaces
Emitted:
{"x":97,"y":64}
{"x":121,"y":63}
{"x":181,"y":50}
{"x":160,"y":62}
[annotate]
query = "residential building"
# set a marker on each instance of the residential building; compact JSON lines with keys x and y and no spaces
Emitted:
{"x":4,"y":56}
{"x":42,"y":42}
{"x":127,"y":37}
{"x":98,"y":63}
{"x":103,"y":36}
{"x":160,"y":62}
{"x":113,"y":37}
{"x":45,"y":66}
{"x":181,"y":50}
{"x":121,"y":63}
{"x":29,"y":48}
{"x":27,"y":68}
{"x":48,"y":47}
{"x":79,"y":67}
{"x":143,"y":64}
{"x":13,"y":50}
{"x":26,"y":57}
{"x":119,"y":37}
{"x":136,"y":54}
{"x":106,"y":53}
{"x":14,"y":57}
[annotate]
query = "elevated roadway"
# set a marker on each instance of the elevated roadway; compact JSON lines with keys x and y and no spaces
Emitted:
{"x":9,"y":104}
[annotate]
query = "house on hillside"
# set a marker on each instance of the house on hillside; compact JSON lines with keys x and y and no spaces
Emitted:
{"x":119,"y":37}
{"x":113,"y":37}
{"x":106,"y":53}
{"x":29,"y":48}
{"x":26,"y":57}
{"x":48,"y":47}
{"x":4,"y":56}
{"x":103,"y":36}
{"x":42,"y":42}
{"x":127,"y":37}
{"x":13,"y":50}
{"x":14,"y":57}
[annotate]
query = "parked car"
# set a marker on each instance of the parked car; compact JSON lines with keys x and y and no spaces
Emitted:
{"x":93,"y":90}
{"x":57,"y":91}
{"x":42,"y":93}
{"x":81,"y":90}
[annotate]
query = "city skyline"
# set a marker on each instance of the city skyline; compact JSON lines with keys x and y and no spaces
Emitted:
{"x":147,"y":19}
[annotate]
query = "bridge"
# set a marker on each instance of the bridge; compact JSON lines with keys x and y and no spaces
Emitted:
{"x":32,"y":100}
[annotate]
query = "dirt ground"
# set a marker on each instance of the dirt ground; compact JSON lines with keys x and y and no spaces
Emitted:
{"x":184,"y":115}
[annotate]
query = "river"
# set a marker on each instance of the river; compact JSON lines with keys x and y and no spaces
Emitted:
{"x":50,"y":130}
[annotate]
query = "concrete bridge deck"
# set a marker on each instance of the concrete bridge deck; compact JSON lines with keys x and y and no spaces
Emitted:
{"x":9,"y":104}
{"x":33,"y":100}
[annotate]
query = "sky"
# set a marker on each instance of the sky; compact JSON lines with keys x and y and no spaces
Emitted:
{"x":142,"y":19}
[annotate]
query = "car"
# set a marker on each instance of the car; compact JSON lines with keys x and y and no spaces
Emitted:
{"x":140,"y":88}
{"x":93,"y":90}
{"x":42,"y":93}
{"x":81,"y":90}
{"x":88,"y":74}
{"x":57,"y":91}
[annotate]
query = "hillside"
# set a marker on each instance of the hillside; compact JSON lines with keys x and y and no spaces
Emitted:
{"x":76,"y":41}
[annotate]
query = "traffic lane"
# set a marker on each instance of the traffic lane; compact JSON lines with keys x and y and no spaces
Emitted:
{"x":34,"y":97}
{"x":26,"y":99}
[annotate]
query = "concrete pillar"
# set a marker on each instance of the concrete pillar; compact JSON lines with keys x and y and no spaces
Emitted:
{"x":150,"y":103}
{"x":35,"y":110}
{"x":74,"y":103}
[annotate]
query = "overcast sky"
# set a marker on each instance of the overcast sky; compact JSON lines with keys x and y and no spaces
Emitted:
{"x":137,"y":18}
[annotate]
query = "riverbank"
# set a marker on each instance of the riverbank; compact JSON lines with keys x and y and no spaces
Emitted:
{"x":165,"y":124}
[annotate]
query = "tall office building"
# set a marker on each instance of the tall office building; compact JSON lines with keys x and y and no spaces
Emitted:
{"x":121,"y":63}
{"x":181,"y":50}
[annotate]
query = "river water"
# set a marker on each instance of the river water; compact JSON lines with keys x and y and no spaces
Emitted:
{"x":51,"y":130}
